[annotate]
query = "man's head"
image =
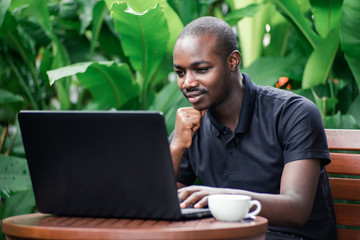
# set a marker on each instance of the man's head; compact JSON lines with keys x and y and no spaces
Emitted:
{"x":226,"y":41}
{"x":206,"y":61}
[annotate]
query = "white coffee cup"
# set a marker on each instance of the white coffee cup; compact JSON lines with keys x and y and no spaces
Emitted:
{"x":232,"y":207}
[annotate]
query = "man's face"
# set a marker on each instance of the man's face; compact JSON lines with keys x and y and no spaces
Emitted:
{"x":202,"y":76}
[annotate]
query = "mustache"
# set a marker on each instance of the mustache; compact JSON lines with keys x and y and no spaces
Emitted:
{"x":194,"y":91}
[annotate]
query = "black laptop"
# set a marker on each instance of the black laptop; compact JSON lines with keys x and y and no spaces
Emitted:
{"x":102,"y":164}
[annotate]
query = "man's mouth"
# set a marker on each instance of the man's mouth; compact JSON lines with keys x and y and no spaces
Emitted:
{"x":194,"y":96}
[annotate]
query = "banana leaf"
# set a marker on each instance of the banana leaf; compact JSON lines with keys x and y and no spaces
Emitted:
{"x":111,"y":84}
{"x":9,"y":97}
{"x":86,"y":9}
{"x":326,"y":15}
{"x":321,"y":60}
{"x":292,"y":11}
{"x":236,"y":15}
{"x":175,"y":26}
{"x":4,"y":5}
{"x":39,"y":10}
{"x":267,"y":70}
{"x":355,"y":110}
{"x":98,"y":18}
{"x":350,"y":36}
{"x":144,"y":38}
{"x":251,"y":30}
{"x":341,"y":121}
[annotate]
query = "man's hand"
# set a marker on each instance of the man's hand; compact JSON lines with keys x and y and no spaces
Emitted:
{"x":292,"y":207}
{"x":187,"y":122}
{"x":197,"y":195}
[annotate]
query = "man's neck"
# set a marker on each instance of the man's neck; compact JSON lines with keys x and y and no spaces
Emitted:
{"x":228,"y":112}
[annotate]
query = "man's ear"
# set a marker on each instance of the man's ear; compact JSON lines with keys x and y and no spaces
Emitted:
{"x":234,"y":60}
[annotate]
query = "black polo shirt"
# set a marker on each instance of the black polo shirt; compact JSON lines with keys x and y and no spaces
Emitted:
{"x":275,"y":127}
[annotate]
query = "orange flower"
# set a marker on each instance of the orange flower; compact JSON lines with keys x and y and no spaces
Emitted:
{"x":283,"y":82}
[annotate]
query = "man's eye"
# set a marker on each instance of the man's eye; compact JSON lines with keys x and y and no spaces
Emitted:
{"x":180,"y":73}
{"x":202,"y":70}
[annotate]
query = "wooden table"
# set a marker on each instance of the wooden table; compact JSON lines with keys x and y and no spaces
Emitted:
{"x":43,"y":226}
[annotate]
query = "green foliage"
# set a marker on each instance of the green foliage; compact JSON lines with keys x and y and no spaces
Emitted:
{"x":107,"y":54}
{"x":350,"y":36}
{"x":315,"y":43}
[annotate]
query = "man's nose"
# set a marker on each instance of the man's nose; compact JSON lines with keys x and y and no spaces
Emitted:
{"x":190,"y":81}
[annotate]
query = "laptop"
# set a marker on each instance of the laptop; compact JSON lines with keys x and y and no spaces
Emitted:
{"x":113,"y":164}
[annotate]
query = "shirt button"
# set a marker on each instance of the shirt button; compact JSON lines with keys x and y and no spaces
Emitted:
{"x":225,"y":132}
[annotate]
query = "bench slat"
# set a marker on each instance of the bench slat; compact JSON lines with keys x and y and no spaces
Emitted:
{"x":347,"y":234}
{"x":345,"y":188}
{"x":347,"y":214}
{"x":343,"y":139}
{"x":344,"y":163}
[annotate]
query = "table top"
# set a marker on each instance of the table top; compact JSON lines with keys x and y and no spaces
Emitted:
{"x":45,"y":226}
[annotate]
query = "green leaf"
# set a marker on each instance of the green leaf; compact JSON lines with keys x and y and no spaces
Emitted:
{"x":326,"y":15}
{"x":14,"y":175}
{"x":168,"y":100}
{"x":189,"y":10}
{"x":320,"y":61}
{"x":40,"y":12}
{"x":9,"y":97}
{"x":324,"y":104}
{"x":236,"y":15}
{"x":68,"y":71}
{"x":355,"y":109}
{"x":4,"y":5}
{"x":86,"y":13}
{"x":267,"y":70}
{"x":174,"y":26}
{"x":350,"y":36}
{"x":114,"y":80}
{"x":144,"y":38}
{"x":340,"y":121}
{"x":165,"y":98}
{"x":251,"y":31}
{"x":9,"y":33}
{"x":280,"y":33}
{"x":19,"y":203}
{"x":99,"y":13}
{"x":111,"y":84}
{"x":292,"y":10}
{"x":141,"y":6}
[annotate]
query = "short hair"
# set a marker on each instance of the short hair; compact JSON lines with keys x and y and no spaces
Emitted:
{"x":226,"y":41}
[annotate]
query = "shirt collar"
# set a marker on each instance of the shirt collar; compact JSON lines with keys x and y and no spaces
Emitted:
{"x":248,"y":104}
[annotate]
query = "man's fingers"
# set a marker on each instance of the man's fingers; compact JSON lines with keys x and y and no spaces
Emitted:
{"x":202,"y":203}
{"x":192,"y":196}
{"x":195,"y":127}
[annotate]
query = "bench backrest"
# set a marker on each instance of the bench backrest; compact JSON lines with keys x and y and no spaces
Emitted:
{"x":344,"y":175}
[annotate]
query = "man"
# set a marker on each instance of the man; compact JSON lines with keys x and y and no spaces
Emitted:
{"x":240,"y":138}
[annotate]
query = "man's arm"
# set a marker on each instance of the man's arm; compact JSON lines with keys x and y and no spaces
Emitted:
{"x":292,"y":207}
{"x":187,"y":122}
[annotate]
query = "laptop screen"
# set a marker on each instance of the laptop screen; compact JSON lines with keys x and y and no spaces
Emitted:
{"x":100,"y":164}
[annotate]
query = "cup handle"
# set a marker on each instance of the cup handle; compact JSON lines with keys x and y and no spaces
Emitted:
{"x":257,"y":209}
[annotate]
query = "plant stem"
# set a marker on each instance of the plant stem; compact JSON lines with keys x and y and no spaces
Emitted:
{"x":22,"y":83}
{"x":8,"y":150}
{"x":3,"y":135}
{"x":29,"y":64}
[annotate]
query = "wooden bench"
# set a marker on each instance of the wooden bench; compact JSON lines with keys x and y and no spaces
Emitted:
{"x":344,"y":175}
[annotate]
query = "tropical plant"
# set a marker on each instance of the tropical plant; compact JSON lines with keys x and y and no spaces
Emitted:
{"x":102,"y":55}
{"x":314,"y":43}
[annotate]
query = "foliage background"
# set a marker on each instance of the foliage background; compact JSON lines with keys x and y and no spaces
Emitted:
{"x":102,"y":55}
